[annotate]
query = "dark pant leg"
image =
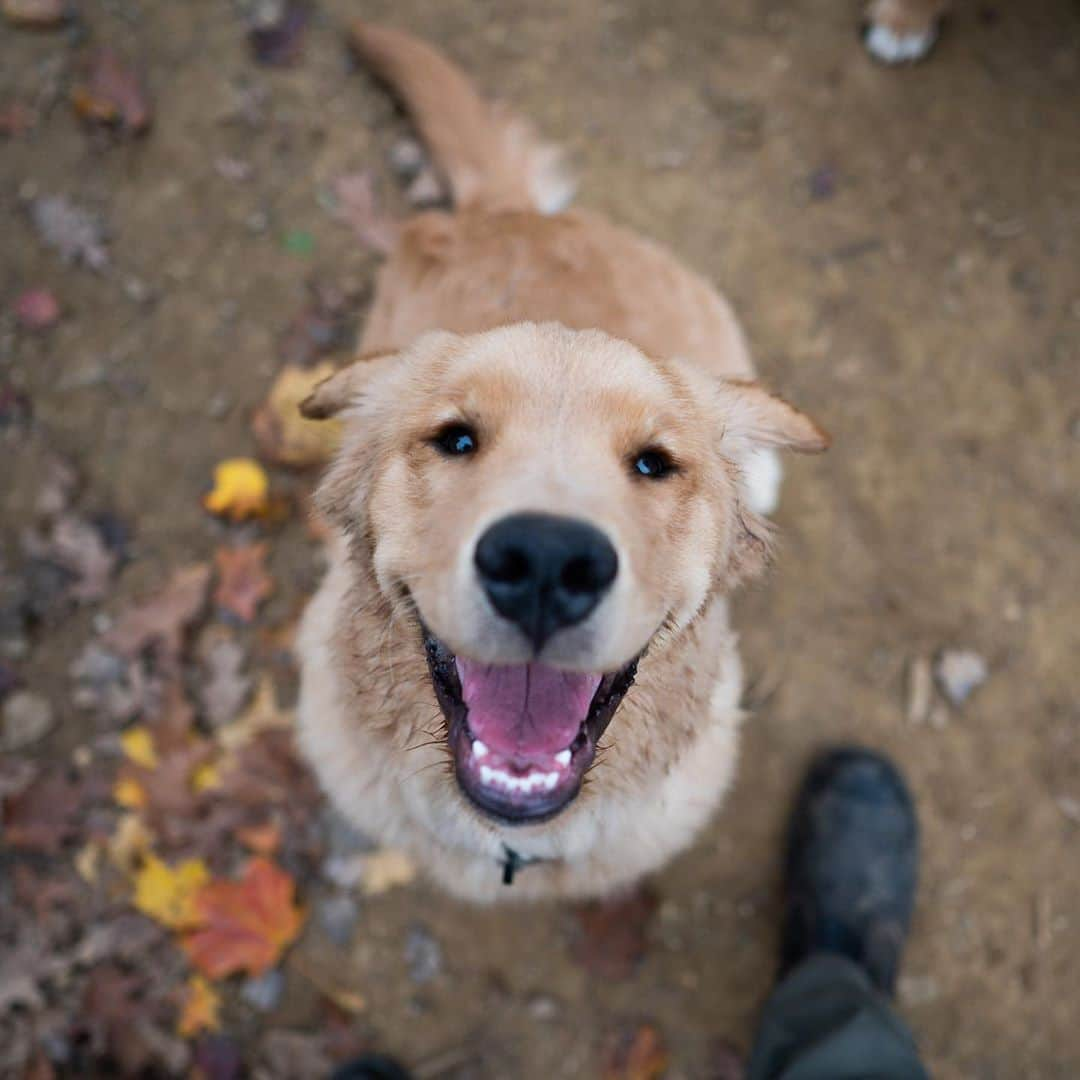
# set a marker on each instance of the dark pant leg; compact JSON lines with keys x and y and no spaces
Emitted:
{"x":825,"y":1021}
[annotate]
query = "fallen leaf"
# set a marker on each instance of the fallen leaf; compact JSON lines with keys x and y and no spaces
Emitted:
{"x":119,"y":1020}
{"x":358,"y":207}
{"x":168,"y":894}
{"x":241,"y":490}
{"x":201,"y":1008}
{"x":110,"y":91}
{"x":267,"y":770}
{"x":37,"y":309}
{"x":279,"y":42}
{"x":262,"y":839}
{"x":77,"y":234}
{"x":263,"y":714}
{"x":138,"y":746}
{"x":614,"y":933}
{"x":224,"y":687}
{"x":162,"y":618}
{"x":129,"y":794}
{"x":130,"y":842}
{"x":25,"y":718}
{"x":46,"y":814}
{"x":284,"y":436}
{"x":36,"y":14}
{"x":78,"y":547}
{"x":386,"y":869}
{"x":244,"y":925}
{"x":243,"y":581}
{"x":640,"y":1055}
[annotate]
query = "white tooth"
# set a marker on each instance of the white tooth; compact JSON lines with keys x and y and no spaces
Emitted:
{"x":562,"y":758}
{"x":486,"y":774}
{"x":479,"y":749}
{"x":551,"y":780}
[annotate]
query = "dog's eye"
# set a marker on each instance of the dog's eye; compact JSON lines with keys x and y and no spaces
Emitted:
{"x":455,"y":440}
{"x":655,"y":464}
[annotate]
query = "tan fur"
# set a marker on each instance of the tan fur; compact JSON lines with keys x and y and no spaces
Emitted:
{"x":570,"y":345}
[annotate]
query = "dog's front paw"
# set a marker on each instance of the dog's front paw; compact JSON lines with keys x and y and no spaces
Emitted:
{"x":901,"y":31}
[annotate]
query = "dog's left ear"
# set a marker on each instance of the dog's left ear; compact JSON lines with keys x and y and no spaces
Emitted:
{"x":345,"y":387}
{"x":758,"y":418}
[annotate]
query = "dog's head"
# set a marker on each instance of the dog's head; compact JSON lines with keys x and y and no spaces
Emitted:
{"x":545,"y":503}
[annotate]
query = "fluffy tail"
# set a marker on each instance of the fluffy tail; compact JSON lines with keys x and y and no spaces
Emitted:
{"x":491,"y":157}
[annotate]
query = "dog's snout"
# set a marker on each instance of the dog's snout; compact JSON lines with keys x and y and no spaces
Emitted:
{"x":543,"y":572}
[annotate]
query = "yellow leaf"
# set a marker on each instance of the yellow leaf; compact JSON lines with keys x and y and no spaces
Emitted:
{"x":138,"y":746}
{"x":386,"y":869}
{"x":241,"y":490}
{"x":167,"y":894}
{"x":284,"y":436}
{"x":200,"y":1011}
{"x":205,"y":778}
{"x":88,"y":861}
{"x":129,"y":843}
{"x":129,"y":794}
{"x":263,"y":714}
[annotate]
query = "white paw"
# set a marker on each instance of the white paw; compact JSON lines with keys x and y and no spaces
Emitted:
{"x":891,"y":47}
{"x":762,"y":475}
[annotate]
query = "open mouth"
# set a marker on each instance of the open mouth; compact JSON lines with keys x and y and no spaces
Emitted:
{"x":522,"y":736}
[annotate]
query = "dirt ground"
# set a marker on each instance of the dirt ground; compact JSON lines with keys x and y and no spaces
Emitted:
{"x":904,"y":249}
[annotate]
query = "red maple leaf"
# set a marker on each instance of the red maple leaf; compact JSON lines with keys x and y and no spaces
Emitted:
{"x":244,"y":925}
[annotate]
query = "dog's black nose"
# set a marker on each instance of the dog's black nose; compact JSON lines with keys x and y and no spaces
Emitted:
{"x":544,"y":572}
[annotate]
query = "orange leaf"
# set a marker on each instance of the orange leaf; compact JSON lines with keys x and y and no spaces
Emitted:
{"x":638,"y":1055}
{"x":200,"y":1011}
{"x":243,"y":582}
{"x":262,"y":839}
{"x":244,"y":925}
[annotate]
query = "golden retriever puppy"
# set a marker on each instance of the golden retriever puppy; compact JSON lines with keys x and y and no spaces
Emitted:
{"x":519,"y":667}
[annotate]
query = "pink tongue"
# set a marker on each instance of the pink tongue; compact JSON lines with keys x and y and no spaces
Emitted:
{"x":525,"y":709}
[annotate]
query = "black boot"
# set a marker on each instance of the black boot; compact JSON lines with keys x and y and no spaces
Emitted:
{"x":852,"y":865}
{"x":370,"y":1067}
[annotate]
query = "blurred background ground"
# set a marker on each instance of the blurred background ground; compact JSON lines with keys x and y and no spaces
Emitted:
{"x":903,"y":247}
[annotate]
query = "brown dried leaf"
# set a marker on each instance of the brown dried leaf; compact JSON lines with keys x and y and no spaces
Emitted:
{"x":111,"y":92}
{"x":224,"y":687}
{"x":243,"y":581}
{"x":46,"y":814}
{"x":161,"y":619}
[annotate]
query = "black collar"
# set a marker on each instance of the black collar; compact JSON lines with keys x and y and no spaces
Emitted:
{"x":513,"y":861}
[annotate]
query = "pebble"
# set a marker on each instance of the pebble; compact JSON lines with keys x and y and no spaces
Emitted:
{"x":337,"y":916}
{"x":426,"y":189}
{"x":423,"y":954}
{"x":544,"y":1007}
{"x":407,"y":158}
{"x":27,"y":718}
{"x":959,"y":673}
{"x":265,"y":992}
{"x":1070,"y":807}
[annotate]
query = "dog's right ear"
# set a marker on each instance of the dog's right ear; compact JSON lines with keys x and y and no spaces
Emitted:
{"x":345,"y":388}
